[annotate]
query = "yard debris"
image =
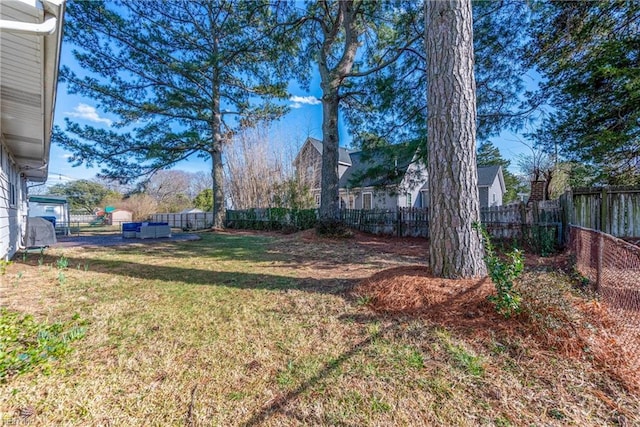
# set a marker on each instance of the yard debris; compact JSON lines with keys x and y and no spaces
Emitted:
{"x":579,"y":328}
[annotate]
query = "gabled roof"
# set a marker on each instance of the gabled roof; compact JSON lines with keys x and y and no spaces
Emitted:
{"x":343,"y":153}
{"x":375,"y":168}
{"x":488,"y":174}
{"x":384,"y":167}
{"x":30,"y":40}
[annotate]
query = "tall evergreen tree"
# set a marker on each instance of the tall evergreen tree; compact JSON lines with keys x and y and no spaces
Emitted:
{"x":388,"y":107}
{"x":180,"y":76}
{"x":347,"y":40}
{"x":588,"y":54}
{"x":455,"y":249}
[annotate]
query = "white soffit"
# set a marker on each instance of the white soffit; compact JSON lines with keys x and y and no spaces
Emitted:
{"x":29,"y":63}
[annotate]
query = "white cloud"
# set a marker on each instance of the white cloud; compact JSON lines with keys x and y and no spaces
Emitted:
{"x":299,"y":101}
{"x":87,"y":112}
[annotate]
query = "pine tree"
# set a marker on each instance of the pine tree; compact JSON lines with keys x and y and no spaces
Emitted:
{"x":180,"y":77}
{"x":455,"y":249}
{"x":588,"y":54}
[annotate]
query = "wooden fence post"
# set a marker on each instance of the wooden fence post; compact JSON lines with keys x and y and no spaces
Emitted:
{"x":566,"y":205}
{"x":604,"y":210}
{"x":599,"y":261}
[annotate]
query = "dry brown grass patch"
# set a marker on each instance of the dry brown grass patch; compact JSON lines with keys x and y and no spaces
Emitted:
{"x":558,"y":319}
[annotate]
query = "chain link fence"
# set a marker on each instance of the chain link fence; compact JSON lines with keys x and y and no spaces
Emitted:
{"x":613,"y":266}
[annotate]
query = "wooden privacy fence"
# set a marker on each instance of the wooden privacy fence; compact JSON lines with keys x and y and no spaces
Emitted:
{"x":185,"y":221}
{"x":613,"y":210}
{"x":535,"y":222}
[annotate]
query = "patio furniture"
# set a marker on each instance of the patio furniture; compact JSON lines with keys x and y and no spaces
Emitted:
{"x":145,"y":230}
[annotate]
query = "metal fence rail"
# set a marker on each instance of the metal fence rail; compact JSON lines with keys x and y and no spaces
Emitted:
{"x":187,"y":221}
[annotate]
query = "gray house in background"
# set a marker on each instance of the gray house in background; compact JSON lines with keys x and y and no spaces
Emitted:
{"x":491,"y":186}
{"x":382,"y":180}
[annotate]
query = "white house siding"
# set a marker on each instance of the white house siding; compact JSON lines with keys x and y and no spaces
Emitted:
{"x":342,"y":168}
{"x":495,"y":194}
{"x":13,"y":206}
{"x":490,"y":195}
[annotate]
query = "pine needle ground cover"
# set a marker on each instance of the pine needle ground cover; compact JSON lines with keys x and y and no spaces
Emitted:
{"x":264,"y":329}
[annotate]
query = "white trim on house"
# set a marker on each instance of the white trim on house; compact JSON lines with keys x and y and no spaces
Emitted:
{"x":364,"y":204}
{"x":30,"y":41}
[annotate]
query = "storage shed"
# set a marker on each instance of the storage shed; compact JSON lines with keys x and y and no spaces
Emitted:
{"x":119,"y":216}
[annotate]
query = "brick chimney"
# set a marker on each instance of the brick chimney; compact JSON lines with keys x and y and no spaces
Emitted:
{"x":537,"y":191}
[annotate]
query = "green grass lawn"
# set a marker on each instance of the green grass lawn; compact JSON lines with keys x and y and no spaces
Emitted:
{"x":239,"y":329}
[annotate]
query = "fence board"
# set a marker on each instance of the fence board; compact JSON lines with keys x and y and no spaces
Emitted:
{"x":613,"y":210}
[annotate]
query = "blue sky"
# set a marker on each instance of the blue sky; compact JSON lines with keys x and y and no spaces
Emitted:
{"x":304,"y":119}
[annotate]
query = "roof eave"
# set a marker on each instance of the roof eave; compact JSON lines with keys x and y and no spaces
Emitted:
{"x":35,"y":169}
{"x":52,"y":65}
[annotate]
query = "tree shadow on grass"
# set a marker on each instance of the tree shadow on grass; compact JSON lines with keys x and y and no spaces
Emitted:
{"x":201,"y":277}
{"x":245,"y":249}
{"x":287,"y":250}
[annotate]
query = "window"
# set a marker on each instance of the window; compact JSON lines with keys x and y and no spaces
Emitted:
{"x":424,"y":201}
{"x":409,"y":200}
{"x":366,"y":201}
{"x":13,"y":196}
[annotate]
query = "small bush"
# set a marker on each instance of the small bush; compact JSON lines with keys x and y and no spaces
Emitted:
{"x":541,"y":239}
{"x":503,"y":274}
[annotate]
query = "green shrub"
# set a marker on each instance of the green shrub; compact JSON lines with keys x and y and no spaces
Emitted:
{"x":304,"y":219}
{"x":541,"y":239}
{"x":503,"y":274}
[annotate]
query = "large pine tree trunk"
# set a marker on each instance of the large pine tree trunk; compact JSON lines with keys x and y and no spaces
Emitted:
{"x":218,"y":185}
{"x":455,"y":249}
{"x":329,"y":196}
{"x":216,"y":163}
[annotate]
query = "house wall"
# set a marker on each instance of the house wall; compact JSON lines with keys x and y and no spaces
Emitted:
{"x":380,"y":199}
{"x":495,"y":194}
{"x":342,"y":168}
{"x":413,"y":184}
{"x":13,"y":205}
{"x":308,"y":166}
{"x":49,"y":209}
{"x":483,"y":196}
{"x":490,"y":196}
